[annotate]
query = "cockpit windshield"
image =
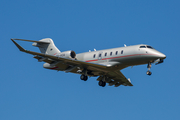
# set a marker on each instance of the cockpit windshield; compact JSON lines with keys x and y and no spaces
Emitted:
{"x":150,"y":47}
{"x":143,"y":46}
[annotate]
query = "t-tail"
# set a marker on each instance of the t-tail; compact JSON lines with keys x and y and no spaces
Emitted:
{"x":46,"y":46}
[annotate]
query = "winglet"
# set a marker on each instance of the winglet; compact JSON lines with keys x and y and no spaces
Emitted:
{"x":20,"y":48}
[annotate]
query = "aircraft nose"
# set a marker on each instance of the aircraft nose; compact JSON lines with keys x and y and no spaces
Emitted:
{"x":162,"y":56}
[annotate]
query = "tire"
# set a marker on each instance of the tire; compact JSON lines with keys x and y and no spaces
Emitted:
{"x":101,"y":83}
{"x":148,"y":73}
{"x":83,"y":77}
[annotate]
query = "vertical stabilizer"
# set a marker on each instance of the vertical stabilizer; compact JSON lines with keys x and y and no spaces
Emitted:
{"x":47,"y":46}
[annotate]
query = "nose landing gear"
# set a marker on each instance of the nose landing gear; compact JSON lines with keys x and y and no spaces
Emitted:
{"x":149,"y":73}
{"x":149,"y":67}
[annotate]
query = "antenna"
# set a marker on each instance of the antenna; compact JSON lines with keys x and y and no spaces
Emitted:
{"x":94,"y":49}
{"x":124,"y":45}
{"x":89,"y":50}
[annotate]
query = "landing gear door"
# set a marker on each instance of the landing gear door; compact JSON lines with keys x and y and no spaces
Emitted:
{"x":100,"y":56}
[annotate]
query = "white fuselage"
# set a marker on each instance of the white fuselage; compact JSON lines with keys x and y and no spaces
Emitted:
{"x":126,"y":56}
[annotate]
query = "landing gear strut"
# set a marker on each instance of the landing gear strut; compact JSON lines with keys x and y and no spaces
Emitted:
{"x":149,"y":67}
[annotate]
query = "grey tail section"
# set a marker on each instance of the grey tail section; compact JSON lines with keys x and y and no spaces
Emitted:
{"x":46,"y":46}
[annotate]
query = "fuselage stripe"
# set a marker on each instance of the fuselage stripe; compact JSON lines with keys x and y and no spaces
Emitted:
{"x":118,"y":57}
{"x":53,"y":68}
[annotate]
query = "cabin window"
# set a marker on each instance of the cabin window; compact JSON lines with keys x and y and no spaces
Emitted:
{"x":110,"y":53}
{"x":105,"y":54}
{"x":122,"y":52}
{"x":99,"y":55}
{"x":116,"y":52}
{"x":94,"y":56}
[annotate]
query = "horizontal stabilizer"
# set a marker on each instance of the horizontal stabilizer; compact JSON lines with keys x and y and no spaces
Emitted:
{"x":31,"y":41}
{"x":20,"y":48}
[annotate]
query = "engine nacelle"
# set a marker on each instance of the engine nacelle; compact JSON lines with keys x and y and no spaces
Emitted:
{"x":67,"y":54}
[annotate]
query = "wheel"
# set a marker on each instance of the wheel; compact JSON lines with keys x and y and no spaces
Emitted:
{"x":104,"y":84}
{"x":148,"y":73}
{"x":83,"y":77}
{"x":101,"y":83}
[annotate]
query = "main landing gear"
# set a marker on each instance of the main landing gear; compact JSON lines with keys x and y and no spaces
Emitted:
{"x":84,"y":77}
{"x":102,"y":83}
{"x":149,"y":67}
{"x":158,"y":61}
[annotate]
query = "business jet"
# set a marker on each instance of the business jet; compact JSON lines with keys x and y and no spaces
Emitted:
{"x":104,"y":64}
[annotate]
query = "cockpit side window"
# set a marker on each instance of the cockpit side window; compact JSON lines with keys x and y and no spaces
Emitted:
{"x":142,"y":47}
{"x":150,"y":47}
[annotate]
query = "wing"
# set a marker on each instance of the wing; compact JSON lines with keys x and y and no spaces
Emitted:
{"x":109,"y":70}
{"x":119,"y":79}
